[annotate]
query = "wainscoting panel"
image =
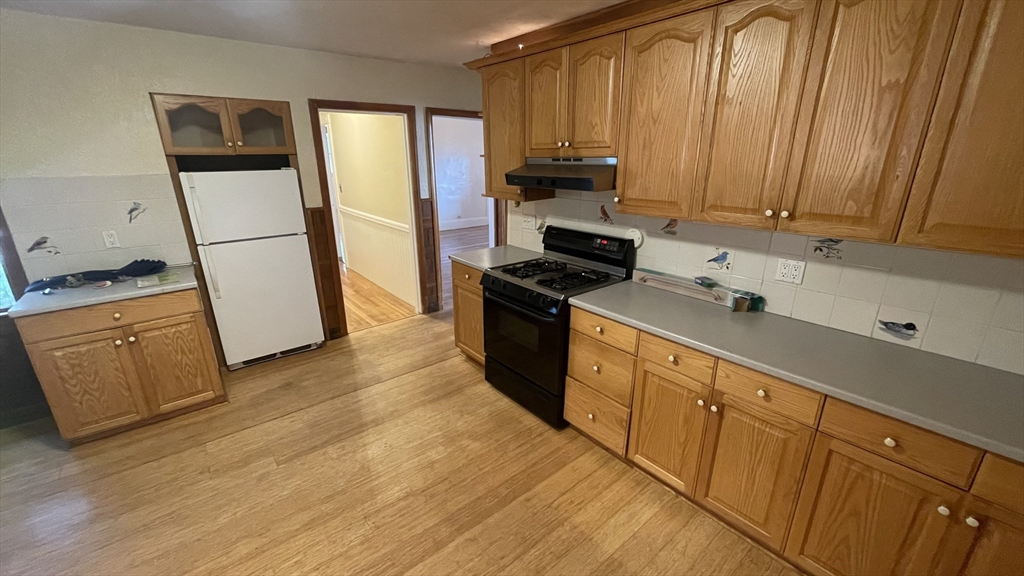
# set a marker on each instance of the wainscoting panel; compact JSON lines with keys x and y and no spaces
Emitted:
{"x":381,"y":251}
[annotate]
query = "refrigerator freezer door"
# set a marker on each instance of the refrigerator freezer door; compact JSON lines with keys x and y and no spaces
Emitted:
{"x":229,"y":206}
{"x":263,"y":295}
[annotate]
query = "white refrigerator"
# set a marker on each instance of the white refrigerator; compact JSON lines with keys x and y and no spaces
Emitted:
{"x":251,"y":234}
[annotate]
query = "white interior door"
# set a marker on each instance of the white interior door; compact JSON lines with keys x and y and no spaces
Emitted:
{"x":229,"y":206}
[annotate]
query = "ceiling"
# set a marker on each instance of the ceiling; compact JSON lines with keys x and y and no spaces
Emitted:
{"x":447,"y":32}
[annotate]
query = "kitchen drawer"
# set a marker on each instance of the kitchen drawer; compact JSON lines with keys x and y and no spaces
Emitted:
{"x":677,"y":358}
{"x":605,"y":369}
{"x":783,"y":398}
{"x":604,"y":330}
{"x":1001,"y":481}
{"x":467,"y":275}
{"x":927,"y":452}
{"x":107,"y":315}
{"x":596,"y":415}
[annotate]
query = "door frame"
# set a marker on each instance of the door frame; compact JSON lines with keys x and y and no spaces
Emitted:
{"x":499,"y":205}
{"x":315,"y":107}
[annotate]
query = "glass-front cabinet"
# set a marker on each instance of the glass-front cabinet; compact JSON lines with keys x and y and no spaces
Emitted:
{"x":201,"y":125}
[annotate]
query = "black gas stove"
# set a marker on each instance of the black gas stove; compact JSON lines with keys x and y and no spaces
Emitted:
{"x":526,"y":314}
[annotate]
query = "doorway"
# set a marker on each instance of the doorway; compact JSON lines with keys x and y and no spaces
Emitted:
{"x":372,"y":200}
{"x":466,"y":220}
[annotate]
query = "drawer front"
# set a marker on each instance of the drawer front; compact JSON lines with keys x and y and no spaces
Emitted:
{"x":927,"y":452}
{"x":677,"y":358}
{"x":1001,"y":481}
{"x":467,"y":275}
{"x":596,"y":415}
{"x":605,"y":369}
{"x":604,"y":330}
{"x":783,"y":398}
{"x":107,"y":315}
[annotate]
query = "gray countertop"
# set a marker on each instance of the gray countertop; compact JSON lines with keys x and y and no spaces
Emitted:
{"x":976,"y":404}
{"x":490,"y":257}
{"x":39,"y":303}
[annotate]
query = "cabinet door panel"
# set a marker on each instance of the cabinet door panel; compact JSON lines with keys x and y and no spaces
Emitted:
{"x":761,"y":49}
{"x":595,"y":81}
{"x":468,"y":304}
{"x":504,"y":143}
{"x":547,"y":86}
{"x":89,"y":382}
{"x":193,"y":124}
{"x":667,"y":425}
{"x":751,"y":467}
{"x":994,"y":548}
{"x":174,"y":360}
{"x":873,"y":73}
{"x":862,"y":514}
{"x":968,"y":193}
{"x":262,"y":126}
{"x":664,"y":85}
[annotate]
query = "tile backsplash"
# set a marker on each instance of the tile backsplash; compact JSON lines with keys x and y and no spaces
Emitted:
{"x":58,"y":223}
{"x":960,"y":305}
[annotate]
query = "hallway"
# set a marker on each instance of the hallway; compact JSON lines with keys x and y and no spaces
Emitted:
{"x":368,"y":305}
{"x":456,"y":241}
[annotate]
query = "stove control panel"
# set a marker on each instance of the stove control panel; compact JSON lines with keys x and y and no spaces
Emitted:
{"x":607,"y":244}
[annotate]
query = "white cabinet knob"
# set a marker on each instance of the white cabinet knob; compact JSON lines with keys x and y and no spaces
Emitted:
{"x":768,"y":213}
{"x":671,"y":358}
{"x":231,"y":144}
{"x":118,"y":342}
{"x":131,"y":338}
{"x":596,"y":369}
{"x":566,"y":143}
{"x":117,"y":315}
{"x":559,"y":144}
{"x":591,"y":416}
{"x":761,"y":393}
{"x":616,"y":199}
{"x":599,"y":330}
{"x":239,"y":142}
{"x":890,"y":442}
{"x":972,"y":522}
{"x":700,"y":402}
{"x":784,"y":214}
{"x":467,"y":276}
{"x":943,"y":510}
{"x":714,"y":408}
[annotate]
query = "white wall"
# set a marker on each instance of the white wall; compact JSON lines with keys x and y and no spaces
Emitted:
{"x":75,"y":107}
{"x":459,"y":172}
{"x":965,"y":306}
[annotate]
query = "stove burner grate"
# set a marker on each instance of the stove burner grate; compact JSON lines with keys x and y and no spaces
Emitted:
{"x":571,"y":280}
{"x":534,"y":267}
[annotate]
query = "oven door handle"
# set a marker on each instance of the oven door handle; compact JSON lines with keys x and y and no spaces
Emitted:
{"x":519,"y":308}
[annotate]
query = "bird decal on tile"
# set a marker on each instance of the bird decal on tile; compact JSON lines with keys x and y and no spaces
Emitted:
{"x":135,"y":211}
{"x":670,"y":227}
{"x":905,"y":330}
{"x":605,"y":217}
{"x":720,"y":260}
{"x":829,"y":248}
{"x":43,"y":243}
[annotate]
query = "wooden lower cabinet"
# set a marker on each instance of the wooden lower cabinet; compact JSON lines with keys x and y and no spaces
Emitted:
{"x":669,"y":411}
{"x":751,"y":467}
{"x":468,"y":304}
{"x":985,"y":540}
{"x":172,"y":357}
{"x":860,"y":514}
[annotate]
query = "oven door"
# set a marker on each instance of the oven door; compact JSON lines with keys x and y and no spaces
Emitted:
{"x":532,"y":343}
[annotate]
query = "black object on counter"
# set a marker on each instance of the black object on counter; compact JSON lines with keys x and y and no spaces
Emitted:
{"x":132,"y":270}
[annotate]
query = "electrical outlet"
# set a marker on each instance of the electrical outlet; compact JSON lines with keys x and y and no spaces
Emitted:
{"x":110,"y":239}
{"x":790,"y":271}
{"x":529,"y":222}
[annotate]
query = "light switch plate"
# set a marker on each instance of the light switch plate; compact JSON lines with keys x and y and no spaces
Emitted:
{"x":529,"y":222}
{"x":110,"y":239}
{"x":790,"y":271}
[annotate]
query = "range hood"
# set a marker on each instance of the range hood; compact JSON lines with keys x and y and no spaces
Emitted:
{"x":586,"y":174}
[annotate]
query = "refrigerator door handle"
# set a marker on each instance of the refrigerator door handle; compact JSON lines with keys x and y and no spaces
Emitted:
{"x":211,"y":268}
{"x":197,"y":208}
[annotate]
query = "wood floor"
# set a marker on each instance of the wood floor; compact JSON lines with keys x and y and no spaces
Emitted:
{"x":457,"y":241}
{"x":367,"y":304}
{"x":383,"y":453}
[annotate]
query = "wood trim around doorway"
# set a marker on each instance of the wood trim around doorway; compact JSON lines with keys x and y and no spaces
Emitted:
{"x":427,"y":299}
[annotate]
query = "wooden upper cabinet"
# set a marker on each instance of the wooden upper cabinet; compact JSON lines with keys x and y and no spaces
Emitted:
{"x":968,"y":193}
{"x":667,"y":425}
{"x":547,"y":96}
{"x":89,"y":382}
{"x":173,"y":358}
{"x":504,"y":142}
{"x":595,"y":83}
{"x":663,"y":90}
{"x":751,"y":467}
{"x":872,"y":76}
{"x":985,"y":540}
{"x":861,"y":514}
{"x":261,"y":126}
{"x":757,"y":72}
{"x":193,"y":124}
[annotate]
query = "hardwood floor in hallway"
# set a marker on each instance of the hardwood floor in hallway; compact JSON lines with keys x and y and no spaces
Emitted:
{"x":367,"y":304}
{"x":457,"y":241}
{"x":385,"y":452}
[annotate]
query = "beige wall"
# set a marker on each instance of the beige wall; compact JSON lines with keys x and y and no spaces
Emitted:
{"x":372,"y":163}
{"x":74,"y":94}
{"x":459,"y":172}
